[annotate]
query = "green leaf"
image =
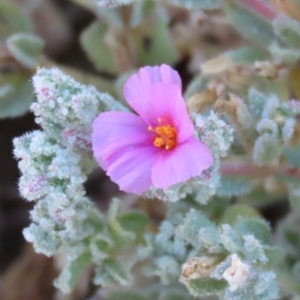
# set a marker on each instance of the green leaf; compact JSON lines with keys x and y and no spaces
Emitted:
{"x":294,"y":196}
{"x":119,"y":83}
{"x":267,"y":150}
{"x":205,"y":286}
{"x":289,"y":30}
{"x":255,"y":226}
{"x":247,"y":55}
{"x":111,"y":17}
{"x":167,"y":268}
{"x":175,"y":293}
{"x":135,"y":222}
{"x":12,"y":19}
{"x":110,"y":272}
{"x":119,"y":235}
{"x":199,"y":4}
{"x":5,"y":90}
{"x":233,"y":212}
{"x":292,"y":155}
{"x":94,"y":44}
{"x":126,"y":295}
{"x":272,"y":253}
{"x":257,"y":101}
{"x":16,"y":95}
{"x":198,"y":85}
{"x":296,"y":2}
{"x":100,"y":247}
{"x":72,"y":271}
{"x":193,"y":223}
{"x":234,"y":186}
{"x":113,"y":3}
{"x":139,"y":10}
{"x":161,"y":49}
{"x":284,"y":55}
{"x":26,"y":48}
{"x":100,"y":83}
{"x":231,"y":241}
{"x":253,"y":27}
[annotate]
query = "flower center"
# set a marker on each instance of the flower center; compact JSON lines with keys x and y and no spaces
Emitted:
{"x":166,"y":136}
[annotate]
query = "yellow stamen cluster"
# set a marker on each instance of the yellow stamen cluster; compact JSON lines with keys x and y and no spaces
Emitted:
{"x":166,"y":136}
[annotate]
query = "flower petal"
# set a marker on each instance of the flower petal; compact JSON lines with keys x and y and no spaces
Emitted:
{"x":168,"y":107}
{"x":132,"y":169}
{"x":115,"y":131}
{"x":187,"y":160}
{"x":137,"y":88}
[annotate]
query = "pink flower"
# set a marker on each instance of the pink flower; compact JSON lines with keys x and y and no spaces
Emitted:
{"x":157,"y":147}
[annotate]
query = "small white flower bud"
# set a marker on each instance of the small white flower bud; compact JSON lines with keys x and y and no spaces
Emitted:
{"x":236,"y":274}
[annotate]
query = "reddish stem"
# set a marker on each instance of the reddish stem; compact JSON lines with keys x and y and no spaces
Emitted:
{"x":261,"y":8}
{"x":240,"y":169}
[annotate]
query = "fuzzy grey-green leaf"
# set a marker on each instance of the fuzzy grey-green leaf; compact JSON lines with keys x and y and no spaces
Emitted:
{"x":16,"y":95}
{"x":12,"y":19}
{"x":289,"y":30}
{"x":205,"y":286}
{"x":26,"y":48}
{"x":253,"y":27}
{"x":255,"y":226}
{"x":93,"y":43}
{"x":112,"y":3}
{"x":161,"y":48}
{"x":72,"y":271}
{"x":199,"y":4}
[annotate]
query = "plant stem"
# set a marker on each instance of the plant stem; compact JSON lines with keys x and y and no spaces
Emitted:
{"x":261,"y":8}
{"x":247,"y":169}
